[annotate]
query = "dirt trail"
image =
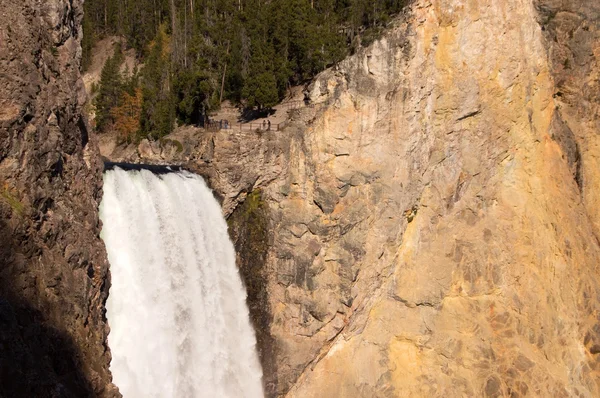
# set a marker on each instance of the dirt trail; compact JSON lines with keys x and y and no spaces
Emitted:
{"x":280,"y":115}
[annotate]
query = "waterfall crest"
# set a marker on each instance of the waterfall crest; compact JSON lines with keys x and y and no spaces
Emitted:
{"x":177,"y":311}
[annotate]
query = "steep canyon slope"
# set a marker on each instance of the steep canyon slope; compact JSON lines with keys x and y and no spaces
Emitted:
{"x":431,"y":226}
{"x":468,"y":118}
{"x":53,"y":268}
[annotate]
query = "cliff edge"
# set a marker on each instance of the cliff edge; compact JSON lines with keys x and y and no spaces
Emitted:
{"x":54,"y":272}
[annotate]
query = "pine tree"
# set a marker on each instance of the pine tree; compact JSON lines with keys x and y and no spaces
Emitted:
{"x":87,"y":43}
{"x":158,"y":111}
{"x":110,"y":90}
{"x":194,"y":91}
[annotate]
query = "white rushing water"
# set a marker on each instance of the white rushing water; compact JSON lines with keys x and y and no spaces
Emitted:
{"x":179,"y":325}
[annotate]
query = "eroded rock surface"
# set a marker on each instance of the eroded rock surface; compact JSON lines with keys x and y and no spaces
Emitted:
{"x":433,"y":221}
{"x":572,"y":33}
{"x":53,"y":268}
{"x":473,"y":255}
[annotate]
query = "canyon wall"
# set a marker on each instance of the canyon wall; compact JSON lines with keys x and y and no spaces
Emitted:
{"x":54,"y":273}
{"x":457,"y":162}
{"x":430,"y":227}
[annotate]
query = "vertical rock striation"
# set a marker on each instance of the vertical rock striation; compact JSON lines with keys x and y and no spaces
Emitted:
{"x":53,"y":267}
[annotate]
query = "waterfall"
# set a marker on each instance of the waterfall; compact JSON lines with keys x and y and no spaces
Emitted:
{"x":179,"y":325}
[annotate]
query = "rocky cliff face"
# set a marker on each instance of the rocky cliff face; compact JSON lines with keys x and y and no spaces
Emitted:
{"x":487,"y":283}
{"x":572,"y":36}
{"x":54,"y":272}
{"x":432,"y":224}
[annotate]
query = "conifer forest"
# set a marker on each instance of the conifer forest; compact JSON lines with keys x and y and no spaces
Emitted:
{"x":197,"y":53}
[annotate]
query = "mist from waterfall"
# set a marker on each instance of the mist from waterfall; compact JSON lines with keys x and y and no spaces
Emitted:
{"x":179,"y":325}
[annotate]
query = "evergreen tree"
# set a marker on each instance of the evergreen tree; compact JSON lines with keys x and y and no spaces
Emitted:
{"x":109,"y":91}
{"x":260,"y":87}
{"x":87,"y":43}
{"x":158,"y":112}
{"x":193,"y":91}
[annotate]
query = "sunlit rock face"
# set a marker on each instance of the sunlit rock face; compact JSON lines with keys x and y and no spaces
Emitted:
{"x":432,"y":223}
{"x":453,"y":210}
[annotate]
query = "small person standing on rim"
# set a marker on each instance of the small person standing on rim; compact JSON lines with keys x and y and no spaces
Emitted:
{"x":269,"y":125}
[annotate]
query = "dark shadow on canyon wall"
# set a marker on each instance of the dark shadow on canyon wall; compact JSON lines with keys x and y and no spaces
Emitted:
{"x":248,"y":229}
{"x":36,"y":359}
